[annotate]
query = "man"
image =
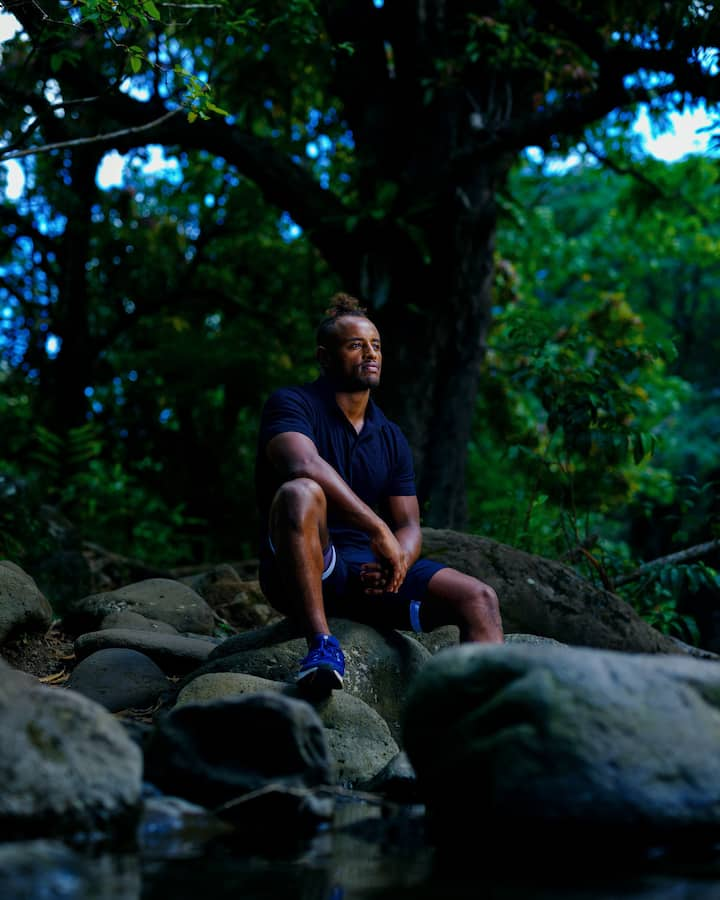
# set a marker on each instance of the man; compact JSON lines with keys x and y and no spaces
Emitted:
{"x":336,"y":493}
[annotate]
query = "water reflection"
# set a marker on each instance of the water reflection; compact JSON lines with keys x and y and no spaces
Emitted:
{"x":372,"y":852}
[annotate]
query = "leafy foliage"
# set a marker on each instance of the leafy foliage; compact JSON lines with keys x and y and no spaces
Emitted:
{"x":315,"y":147}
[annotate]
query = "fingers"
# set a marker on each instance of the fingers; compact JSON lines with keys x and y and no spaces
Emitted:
{"x":374,"y":578}
{"x":398,"y":576}
{"x":382,"y":577}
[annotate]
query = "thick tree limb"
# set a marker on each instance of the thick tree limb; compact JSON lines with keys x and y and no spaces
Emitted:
{"x":682,"y":556}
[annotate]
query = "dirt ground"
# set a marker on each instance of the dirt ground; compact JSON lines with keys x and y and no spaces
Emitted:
{"x":49,"y":657}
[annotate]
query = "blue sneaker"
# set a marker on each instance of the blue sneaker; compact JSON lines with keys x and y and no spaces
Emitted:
{"x":324,"y":666}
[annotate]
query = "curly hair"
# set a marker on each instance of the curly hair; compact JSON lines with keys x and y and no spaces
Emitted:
{"x":340,"y":305}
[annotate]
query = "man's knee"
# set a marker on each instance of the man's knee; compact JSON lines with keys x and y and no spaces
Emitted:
{"x":297,"y":500}
{"x":477,"y":600}
{"x":483,"y":596}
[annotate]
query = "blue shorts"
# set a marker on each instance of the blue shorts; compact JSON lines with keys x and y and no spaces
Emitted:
{"x":343,"y":593}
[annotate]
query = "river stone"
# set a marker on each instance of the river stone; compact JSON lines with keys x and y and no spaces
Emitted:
{"x":119,"y":679}
{"x":210,"y":753}
{"x":536,"y":740}
{"x":379,"y":666}
{"x":175,"y":654}
{"x":397,"y":781}
{"x":66,"y":765}
{"x":126,"y":618}
{"x":239,"y":602}
{"x":161,"y":599}
{"x":173,"y":828}
{"x":544,"y":597}
{"x":23,"y":607}
{"x":358,"y":739}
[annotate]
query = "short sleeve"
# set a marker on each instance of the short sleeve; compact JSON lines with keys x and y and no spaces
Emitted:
{"x":286,"y":410}
{"x":402,"y":478}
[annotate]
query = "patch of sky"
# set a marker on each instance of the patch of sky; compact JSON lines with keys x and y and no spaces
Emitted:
{"x":112,"y":169}
{"x":649,"y":80}
{"x":289,"y":230}
{"x":681,"y":135}
{"x":378,"y":4}
{"x":165,"y":416}
{"x":52,"y":345}
{"x":709,"y":59}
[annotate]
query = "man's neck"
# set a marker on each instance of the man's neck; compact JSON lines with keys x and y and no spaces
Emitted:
{"x":354,"y":405}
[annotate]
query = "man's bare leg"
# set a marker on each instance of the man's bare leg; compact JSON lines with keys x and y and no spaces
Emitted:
{"x":298,"y":529}
{"x":472,"y":605}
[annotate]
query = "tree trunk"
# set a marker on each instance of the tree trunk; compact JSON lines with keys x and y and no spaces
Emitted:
{"x":67,"y":376}
{"x":435,"y":338}
{"x":426,"y":266}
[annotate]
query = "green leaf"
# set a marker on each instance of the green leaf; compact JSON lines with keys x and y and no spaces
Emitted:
{"x":151,"y":10}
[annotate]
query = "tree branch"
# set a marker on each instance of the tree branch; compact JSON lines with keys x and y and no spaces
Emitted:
{"x":654,"y":187}
{"x":682,"y":556}
{"x":110,"y":136}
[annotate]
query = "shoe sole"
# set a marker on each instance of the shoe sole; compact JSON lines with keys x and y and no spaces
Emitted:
{"x":320,"y":680}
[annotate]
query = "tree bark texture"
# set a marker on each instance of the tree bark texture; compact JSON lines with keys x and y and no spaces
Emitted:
{"x":426,"y":266}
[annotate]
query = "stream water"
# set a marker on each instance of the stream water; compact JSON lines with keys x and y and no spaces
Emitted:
{"x":370,"y":853}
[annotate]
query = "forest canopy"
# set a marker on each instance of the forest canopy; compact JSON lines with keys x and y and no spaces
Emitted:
{"x":550,"y":333}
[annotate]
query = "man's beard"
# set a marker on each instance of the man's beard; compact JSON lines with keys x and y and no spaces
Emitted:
{"x":352,"y":384}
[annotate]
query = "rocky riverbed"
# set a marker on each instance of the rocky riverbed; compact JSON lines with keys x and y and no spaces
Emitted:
{"x":157,"y":722}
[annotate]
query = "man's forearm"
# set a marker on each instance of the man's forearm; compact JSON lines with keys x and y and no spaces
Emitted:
{"x":340,"y":496}
{"x":410,"y":539}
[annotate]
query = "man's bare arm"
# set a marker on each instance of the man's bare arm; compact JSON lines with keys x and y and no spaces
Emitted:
{"x":294,"y":455}
{"x":405,"y":515}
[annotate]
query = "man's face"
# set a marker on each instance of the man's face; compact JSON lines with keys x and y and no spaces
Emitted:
{"x":354,"y":358}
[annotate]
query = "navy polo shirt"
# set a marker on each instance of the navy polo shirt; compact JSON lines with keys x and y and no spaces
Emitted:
{"x":376,"y":463}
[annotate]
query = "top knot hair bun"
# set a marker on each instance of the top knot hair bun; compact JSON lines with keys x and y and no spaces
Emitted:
{"x":343,"y":305}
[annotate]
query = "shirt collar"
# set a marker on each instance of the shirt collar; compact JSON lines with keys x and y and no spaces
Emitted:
{"x":373,"y":416}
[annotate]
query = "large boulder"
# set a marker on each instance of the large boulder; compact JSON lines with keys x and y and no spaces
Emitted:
{"x":358,"y":739}
{"x":23,"y":607}
{"x":379,"y":665}
{"x":66,"y":765}
{"x":530,"y":744}
{"x":543,"y":597}
{"x":160,"y":599}
{"x":213,"y":752}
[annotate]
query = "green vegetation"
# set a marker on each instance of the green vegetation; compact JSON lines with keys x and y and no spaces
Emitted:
{"x":551,"y":338}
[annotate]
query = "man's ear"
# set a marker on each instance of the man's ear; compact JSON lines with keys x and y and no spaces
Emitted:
{"x":322,"y":356}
